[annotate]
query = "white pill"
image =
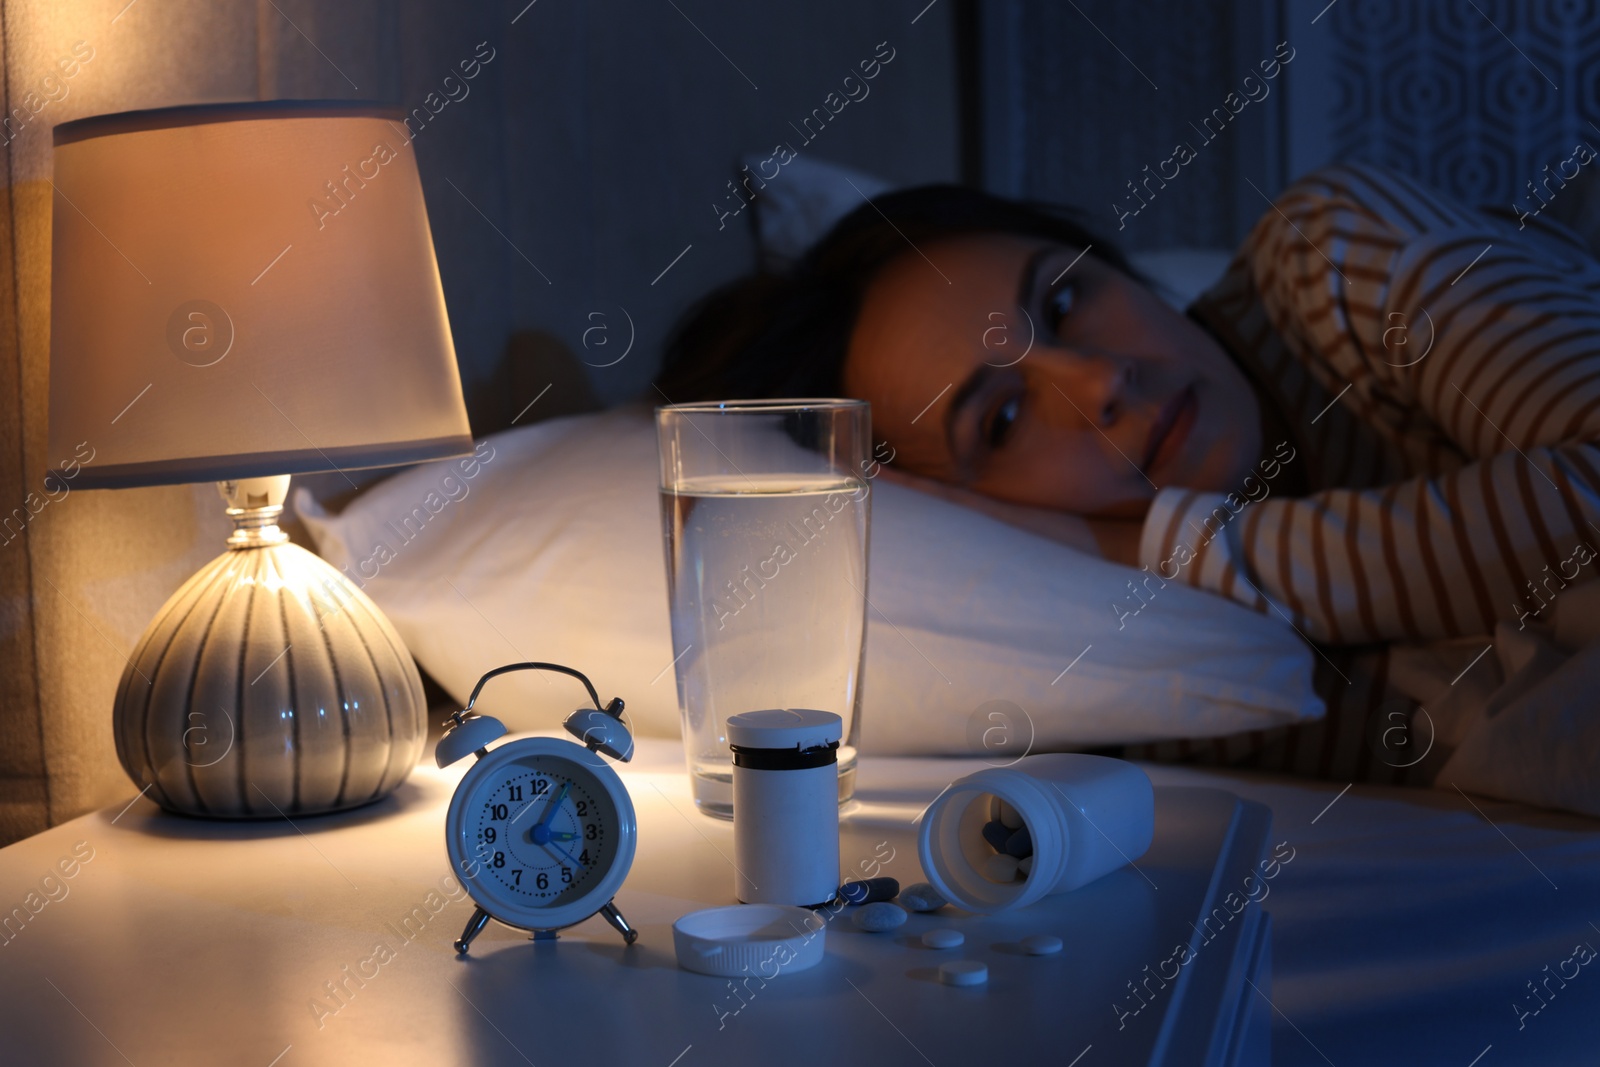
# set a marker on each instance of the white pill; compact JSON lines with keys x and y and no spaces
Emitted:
{"x":1041,"y":945}
{"x":920,"y":896}
{"x":1025,"y":866}
{"x":1009,"y":817}
{"x":963,"y":972}
{"x":943,"y":938}
{"x":1000,"y":868}
{"x":879,"y":916}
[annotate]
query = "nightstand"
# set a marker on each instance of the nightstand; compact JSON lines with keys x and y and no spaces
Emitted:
{"x":327,"y":940}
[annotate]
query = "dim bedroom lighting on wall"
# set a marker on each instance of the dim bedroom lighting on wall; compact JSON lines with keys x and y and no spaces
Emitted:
{"x":241,"y":293}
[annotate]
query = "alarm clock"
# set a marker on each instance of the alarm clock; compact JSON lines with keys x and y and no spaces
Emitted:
{"x":540,"y":830}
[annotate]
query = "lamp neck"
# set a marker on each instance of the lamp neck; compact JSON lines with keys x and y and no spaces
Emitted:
{"x":255,"y":527}
{"x":254,"y":505}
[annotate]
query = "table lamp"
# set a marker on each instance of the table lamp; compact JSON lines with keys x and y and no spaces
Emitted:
{"x":241,"y":293}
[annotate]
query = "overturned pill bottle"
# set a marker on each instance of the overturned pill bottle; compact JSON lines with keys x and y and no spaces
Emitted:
{"x":1005,"y":837}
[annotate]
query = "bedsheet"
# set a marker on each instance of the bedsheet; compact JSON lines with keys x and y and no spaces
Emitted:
{"x":1411,"y":922}
{"x":1513,"y":719}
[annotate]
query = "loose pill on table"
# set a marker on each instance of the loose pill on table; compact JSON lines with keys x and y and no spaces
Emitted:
{"x":1041,"y":944}
{"x":996,"y":834}
{"x":1019,"y":844}
{"x":943,"y":938}
{"x":920,"y":896}
{"x":1009,"y":817}
{"x":1000,"y":868}
{"x":963,"y":972}
{"x":869,"y":890}
{"x":1025,"y":866}
{"x":879,"y":916}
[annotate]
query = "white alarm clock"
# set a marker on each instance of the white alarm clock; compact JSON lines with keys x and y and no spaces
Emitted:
{"x":540,"y":830}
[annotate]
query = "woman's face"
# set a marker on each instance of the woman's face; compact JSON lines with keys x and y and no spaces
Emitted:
{"x":1034,"y":374}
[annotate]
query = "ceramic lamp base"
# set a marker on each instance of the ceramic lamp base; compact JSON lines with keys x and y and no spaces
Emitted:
{"x":268,"y":686}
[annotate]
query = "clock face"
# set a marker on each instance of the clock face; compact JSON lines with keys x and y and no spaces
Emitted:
{"x":540,"y":829}
{"x":542,"y":832}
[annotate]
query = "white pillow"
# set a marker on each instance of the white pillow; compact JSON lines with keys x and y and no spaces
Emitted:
{"x":803,"y":202}
{"x":795,"y":209}
{"x":551,"y":550}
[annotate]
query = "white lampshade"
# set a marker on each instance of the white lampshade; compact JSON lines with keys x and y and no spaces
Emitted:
{"x":244,"y":290}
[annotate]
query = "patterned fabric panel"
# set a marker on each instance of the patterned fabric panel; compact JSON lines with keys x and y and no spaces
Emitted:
{"x":1474,"y":99}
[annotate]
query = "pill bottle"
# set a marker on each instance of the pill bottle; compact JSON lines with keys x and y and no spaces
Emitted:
{"x":1086,"y":815}
{"x":785,"y":805}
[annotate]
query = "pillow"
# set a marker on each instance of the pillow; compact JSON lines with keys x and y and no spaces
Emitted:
{"x":795,"y":209}
{"x":547,"y":545}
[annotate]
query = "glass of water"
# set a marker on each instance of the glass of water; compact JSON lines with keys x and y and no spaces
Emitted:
{"x":765,"y":510}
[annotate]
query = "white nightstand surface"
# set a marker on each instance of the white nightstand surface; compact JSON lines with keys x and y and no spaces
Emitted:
{"x":185,"y":941}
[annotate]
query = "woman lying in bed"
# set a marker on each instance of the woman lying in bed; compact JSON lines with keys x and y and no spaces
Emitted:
{"x":1380,"y":424}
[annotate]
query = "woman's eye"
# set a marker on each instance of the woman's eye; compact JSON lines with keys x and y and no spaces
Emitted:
{"x":1060,"y":304}
{"x":997,"y":430}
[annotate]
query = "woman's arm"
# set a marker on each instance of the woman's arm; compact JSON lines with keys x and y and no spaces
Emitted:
{"x":1498,"y":421}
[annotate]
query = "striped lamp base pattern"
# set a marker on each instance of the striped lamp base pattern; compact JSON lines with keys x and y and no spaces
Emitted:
{"x":269,"y":686}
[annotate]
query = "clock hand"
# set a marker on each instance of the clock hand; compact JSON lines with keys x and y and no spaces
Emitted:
{"x":540,"y":832}
{"x":555,"y":805}
{"x":565,"y":854}
{"x":549,"y":813}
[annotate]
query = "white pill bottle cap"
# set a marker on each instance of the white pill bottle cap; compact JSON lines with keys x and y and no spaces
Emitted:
{"x":799,"y":729}
{"x":1086,"y":815}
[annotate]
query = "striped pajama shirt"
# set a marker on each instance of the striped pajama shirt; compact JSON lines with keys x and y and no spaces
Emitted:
{"x":1435,"y":372}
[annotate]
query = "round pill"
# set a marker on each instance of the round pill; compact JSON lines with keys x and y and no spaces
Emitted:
{"x":920,"y":896}
{"x":963,"y":972}
{"x":1025,"y":866}
{"x":943,"y":938}
{"x":1041,"y":944}
{"x":880,"y":916}
{"x":1000,"y":868}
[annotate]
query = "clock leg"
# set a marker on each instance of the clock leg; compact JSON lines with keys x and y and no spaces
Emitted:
{"x":614,"y":917}
{"x":475,"y":925}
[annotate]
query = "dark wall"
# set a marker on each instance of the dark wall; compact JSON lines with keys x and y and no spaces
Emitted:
{"x":589,"y":151}
{"x":1085,"y":105}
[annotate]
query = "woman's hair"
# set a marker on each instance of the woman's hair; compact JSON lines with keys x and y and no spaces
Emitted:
{"x":770,"y":335}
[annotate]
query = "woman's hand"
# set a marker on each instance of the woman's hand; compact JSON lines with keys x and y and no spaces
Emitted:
{"x":1116,"y":540}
